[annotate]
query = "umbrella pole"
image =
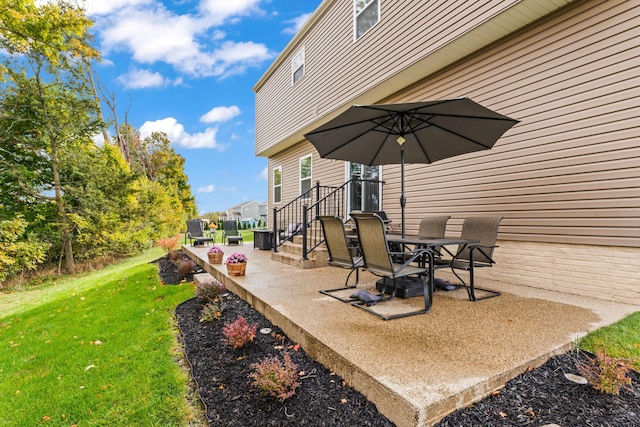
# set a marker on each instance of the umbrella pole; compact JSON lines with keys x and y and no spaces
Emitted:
{"x":403,"y":200}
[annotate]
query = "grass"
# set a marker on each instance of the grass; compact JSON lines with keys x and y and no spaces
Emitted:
{"x":94,"y":350}
{"x":99,"y":349}
{"x":620,"y":340}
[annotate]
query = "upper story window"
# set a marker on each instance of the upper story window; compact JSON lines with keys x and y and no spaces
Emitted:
{"x":297,"y":67}
{"x":305,"y":174}
{"x":277,"y":185}
{"x":367,"y":14}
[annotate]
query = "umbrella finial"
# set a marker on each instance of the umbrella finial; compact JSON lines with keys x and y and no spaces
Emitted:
{"x":400,"y":139}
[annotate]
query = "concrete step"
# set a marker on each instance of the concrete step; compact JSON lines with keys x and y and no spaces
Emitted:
{"x":295,"y":260}
{"x":291,"y":254}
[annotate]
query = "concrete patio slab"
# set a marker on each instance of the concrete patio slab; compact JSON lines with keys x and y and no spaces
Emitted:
{"x":415,"y":369}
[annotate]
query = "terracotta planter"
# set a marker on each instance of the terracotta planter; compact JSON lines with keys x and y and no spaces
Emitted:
{"x":237,"y":269}
{"x":215,"y":258}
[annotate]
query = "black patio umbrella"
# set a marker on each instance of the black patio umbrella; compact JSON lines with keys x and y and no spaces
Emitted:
{"x":417,"y":132}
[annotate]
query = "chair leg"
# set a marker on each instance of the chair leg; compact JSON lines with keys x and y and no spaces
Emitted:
{"x":471,"y":287}
{"x":428,"y":298}
{"x":329,"y":292}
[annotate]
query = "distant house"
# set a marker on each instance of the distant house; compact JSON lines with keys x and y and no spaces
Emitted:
{"x":246,"y":213}
{"x":566,"y":179}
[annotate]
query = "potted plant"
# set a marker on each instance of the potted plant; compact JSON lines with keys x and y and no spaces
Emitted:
{"x":236,"y":264}
{"x":215,"y":254}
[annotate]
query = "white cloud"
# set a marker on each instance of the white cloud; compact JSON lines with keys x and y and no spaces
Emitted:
{"x":296,"y":23}
{"x":104,"y":7}
{"x":207,"y":189}
{"x":138,"y":79}
{"x":190,"y":43}
{"x":220,"y":114}
{"x":178,"y":136}
{"x":220,"y":10}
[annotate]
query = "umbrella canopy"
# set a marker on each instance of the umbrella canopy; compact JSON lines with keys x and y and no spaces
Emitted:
{"x":417,"y":132}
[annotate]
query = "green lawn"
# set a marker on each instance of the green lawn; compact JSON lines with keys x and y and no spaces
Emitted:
{"x":622,"y":339}
{"x":94,"y":350}
{"x":99,"y":350}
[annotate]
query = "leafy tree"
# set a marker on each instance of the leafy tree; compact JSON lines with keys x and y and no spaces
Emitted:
{"x":17,"y":255}
{"x":46,"y":107}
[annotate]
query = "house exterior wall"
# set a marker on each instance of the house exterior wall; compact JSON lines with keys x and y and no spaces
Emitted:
{"x":566,"y":179}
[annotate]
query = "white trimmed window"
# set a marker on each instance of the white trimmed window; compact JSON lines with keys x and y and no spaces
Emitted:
{"x":366,"y":15}
{"x":305,"y":174}
{"x":297,"y":67}
{"x":277,"y":185}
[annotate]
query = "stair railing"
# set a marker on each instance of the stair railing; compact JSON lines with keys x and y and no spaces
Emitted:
{"x":304,"y":210}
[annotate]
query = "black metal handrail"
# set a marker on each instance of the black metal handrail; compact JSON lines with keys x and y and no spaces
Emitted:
{"x":299,"y":217}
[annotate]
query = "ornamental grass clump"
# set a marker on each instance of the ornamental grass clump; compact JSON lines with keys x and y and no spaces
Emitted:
{"x":209,"y":291}
{"x":239,"y":332}
{"x":186,"y":267}
{"x":605,"y":373}
{"x":212,"y":311}
{"x":276,"y":378}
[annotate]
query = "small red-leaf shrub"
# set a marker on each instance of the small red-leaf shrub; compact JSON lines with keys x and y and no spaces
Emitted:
{"x":276,"y":378}
{"x":175,"y":256}
{"x":605,"y":373}
{"x":169,"y":243}
{"x":186,"y":267}
{"x":239,"y":332}
{"x":209,"y":290}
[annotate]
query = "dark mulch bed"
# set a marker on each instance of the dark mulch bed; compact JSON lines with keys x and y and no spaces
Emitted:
{"x":535,"y":398}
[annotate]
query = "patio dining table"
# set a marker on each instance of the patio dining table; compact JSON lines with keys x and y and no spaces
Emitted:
{"x":411,"y":288}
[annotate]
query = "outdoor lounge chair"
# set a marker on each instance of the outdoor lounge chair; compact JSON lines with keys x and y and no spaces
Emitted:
{"x":231,"y":234}
{"x":340,"y":254}
{"x":378,"y":260}
{"x":470,"y":257}
{"x":195,"y":233}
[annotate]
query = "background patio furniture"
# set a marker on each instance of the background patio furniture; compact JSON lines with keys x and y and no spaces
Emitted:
{"x":469,"y":257}
{"x":195,"y":233}
{"x":378,"y":260}
{"x":231,"y":234}
{"x":340,"y":254}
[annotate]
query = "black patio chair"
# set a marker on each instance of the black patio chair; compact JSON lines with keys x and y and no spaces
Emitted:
{"x":231,"y":234}
{"x":471,"y":256}
{"x":378,"y":260}
{"x":195,"y":233}
{"x":340,"y":253}
{"x":434,"y":226}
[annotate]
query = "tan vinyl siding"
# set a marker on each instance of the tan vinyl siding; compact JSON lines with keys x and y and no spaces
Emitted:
{"x":323,"y":170}
{"x":566,"y":179}
{"x":569,"y":172}
{"x":338,"y":69}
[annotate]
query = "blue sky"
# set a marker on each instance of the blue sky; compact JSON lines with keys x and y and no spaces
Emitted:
{"x":186,"y":67}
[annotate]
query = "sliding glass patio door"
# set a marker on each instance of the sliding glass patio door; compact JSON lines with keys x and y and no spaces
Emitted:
{"x":365,"y":192}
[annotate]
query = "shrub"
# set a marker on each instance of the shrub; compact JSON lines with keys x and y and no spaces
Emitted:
{"x":239,"y":333}
{"x":175,"y":256}
{"x":209,"y":291}
{"x":276,"y":378}
{"x":212,"y":311}
{"x":169,"y":243}
{"x":186,"y":267}
{"x":19,"y":252}
{"x":605,"y":373}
